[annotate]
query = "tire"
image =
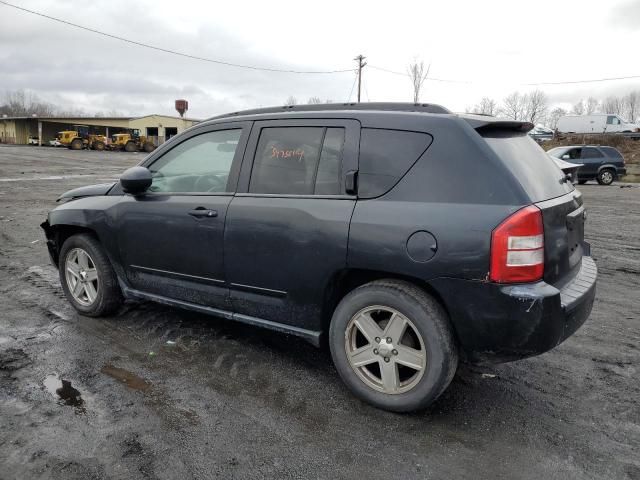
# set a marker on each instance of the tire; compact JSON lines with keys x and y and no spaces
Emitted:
{"x":107,"y":296}
{"x":149,"y":147}
{"x":76,"y":144}
{"x":606,"y":176}
{"x":98,"y":145}
{"x":427,"y":335}
{"x":130,"y":147}
{"x":582,"y":182}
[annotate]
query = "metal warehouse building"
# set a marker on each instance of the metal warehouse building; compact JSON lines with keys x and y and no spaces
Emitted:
{"x":17,"y":130}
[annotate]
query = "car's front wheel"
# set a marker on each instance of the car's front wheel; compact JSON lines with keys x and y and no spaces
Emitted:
{"x":87,"y":278}
{"x":392,"y":345}
{"x":606,"y":176}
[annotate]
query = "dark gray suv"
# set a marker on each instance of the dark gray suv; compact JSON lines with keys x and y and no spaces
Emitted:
{"x":604,"y":164}
{"x":403,"y":236}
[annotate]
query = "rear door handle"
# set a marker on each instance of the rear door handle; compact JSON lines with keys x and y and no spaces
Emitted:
{"x":202,"y":212}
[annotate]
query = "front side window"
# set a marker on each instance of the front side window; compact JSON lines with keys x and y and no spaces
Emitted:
{"x":613,"y":120}
{"x":200,"y":164}
{"x":298,"y":161}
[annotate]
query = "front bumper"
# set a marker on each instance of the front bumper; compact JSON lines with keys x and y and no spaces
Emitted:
{"x":621,"y":171}
{"x":499,"y":323}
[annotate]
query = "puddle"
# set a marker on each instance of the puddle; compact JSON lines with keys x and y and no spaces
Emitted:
{"x":64,"y":392}
{"x":129,"y":379}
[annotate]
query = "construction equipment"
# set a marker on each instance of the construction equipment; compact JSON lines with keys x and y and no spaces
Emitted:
{"x":131,"y":141}
{"x":81,"y":138}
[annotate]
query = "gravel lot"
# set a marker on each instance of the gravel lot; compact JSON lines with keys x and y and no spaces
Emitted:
{"x":156,"y":392}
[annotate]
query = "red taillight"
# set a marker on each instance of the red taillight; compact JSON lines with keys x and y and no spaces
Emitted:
{"x":517,"y":248}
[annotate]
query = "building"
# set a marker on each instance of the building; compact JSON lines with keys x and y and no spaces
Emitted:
{"x":17,"y":130}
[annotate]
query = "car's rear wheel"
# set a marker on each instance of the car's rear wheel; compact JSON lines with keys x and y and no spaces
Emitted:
{"x":392,"y":345}
{"x":87,"y":278}
{"x":606,"y":176}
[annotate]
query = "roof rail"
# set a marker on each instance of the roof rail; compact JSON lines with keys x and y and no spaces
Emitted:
{"x":319,"y":107}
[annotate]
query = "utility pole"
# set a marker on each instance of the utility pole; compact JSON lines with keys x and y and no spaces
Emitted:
{"x":361,"y":63}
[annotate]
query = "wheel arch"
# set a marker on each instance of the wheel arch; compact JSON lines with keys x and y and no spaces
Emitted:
{"x":608,"y":166}
{"x":57,"y":234}
{"x":345,"y":281}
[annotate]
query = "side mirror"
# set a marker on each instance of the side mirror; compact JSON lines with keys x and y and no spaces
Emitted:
{"x":565,"y":156}
{"x":135,"y":180}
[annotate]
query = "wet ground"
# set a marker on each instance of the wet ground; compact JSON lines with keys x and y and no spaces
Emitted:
{"x":155,"y":392}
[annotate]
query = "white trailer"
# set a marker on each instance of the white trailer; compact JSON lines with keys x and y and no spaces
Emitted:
{"x":596,"y":123}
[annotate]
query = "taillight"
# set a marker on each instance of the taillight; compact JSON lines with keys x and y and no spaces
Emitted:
{"x":517,"y":248}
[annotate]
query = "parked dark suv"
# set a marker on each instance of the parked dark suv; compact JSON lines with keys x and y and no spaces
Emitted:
{"x":404,"y":236}
{"x":603,"y":164}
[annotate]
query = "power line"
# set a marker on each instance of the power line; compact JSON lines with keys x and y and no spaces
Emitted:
{"x":173,"y":52}
{"x":568,"y":82}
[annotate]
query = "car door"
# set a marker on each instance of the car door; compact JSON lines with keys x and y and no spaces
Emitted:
{"x":171,"y":239}
{"x":287,"y":227}
{"x":592,"y":159}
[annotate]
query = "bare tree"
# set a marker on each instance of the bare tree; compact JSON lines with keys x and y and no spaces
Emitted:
{"x":632,"y":105}
{"x":613,"y":105}
{"x":487,"y":106}
{"x":291,"y":100}
{"x":578,"y":108}
{"x":535,"y":106}
{"x":417,"y":75}
{"x":314,"y":100}
{"x":554,"y":116}
{"x":25,"y":104}
{"x":513,"y":106}
{"x":591,"y":105}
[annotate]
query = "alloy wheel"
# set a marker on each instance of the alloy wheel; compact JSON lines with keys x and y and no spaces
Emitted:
{"x":385,"y":349}
{"x":82,"y":277}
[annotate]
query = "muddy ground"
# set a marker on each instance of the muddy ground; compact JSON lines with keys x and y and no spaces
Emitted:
{"x":155,"y":392}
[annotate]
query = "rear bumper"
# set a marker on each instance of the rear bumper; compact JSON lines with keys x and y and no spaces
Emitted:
{"x":621,"y":171}
{"x":497,"y":323}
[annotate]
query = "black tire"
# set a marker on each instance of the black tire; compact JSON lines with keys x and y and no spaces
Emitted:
{"x":109,"y":296}
{"x":149,"y":147}
{"x":130,"y":147}
{"x":98,"y":145}
{"x":582,"y":182}
{"x":76,"y":144}
{"x":606,"y":176}
{"x":432,"y":323}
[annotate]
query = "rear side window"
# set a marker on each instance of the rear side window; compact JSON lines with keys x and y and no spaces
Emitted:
{"x":612,"y":152}
{"x":385,"y":156}
{"x":298,"y":161}
{"x":529,"y":163}
{"x":590,"y":153}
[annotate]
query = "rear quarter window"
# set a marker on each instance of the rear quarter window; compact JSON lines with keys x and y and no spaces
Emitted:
{"x":612,"y":153}
{"x":536,"y":171}
{"x":385,"y":156}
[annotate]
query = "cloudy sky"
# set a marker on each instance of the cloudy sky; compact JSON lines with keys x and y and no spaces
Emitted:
{"x":488,"y":48}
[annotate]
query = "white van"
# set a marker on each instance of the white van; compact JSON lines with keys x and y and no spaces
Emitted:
{"x":597,"y":123}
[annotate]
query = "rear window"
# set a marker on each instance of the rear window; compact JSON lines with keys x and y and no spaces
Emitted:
{"x":530,"y":164}
{"x":612,"y":152}
{"x":385,"y":156}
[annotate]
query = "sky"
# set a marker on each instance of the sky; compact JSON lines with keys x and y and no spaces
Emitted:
{"x":488,"y":48}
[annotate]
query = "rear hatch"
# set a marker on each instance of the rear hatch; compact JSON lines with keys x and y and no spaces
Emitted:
{"x":550,"y":190}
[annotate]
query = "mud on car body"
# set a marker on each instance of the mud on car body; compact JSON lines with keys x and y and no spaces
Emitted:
{"x":404,"y":236}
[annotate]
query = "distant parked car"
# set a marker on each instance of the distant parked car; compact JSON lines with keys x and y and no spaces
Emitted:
{"x":598,"y":123}
{"x":570,"y":169}
{"x":32,"y":140}
{"x":540,"y":133}
{"x":604,"y":164}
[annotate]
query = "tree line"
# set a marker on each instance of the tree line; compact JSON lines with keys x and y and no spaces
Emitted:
{"x":20,"y":103}
{"x":534,"y":107}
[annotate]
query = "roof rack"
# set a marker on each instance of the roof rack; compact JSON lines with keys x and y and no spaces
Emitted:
{"x":319,"y":107}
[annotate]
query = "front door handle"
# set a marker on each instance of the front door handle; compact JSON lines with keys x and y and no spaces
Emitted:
{"x":202,"y":212}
